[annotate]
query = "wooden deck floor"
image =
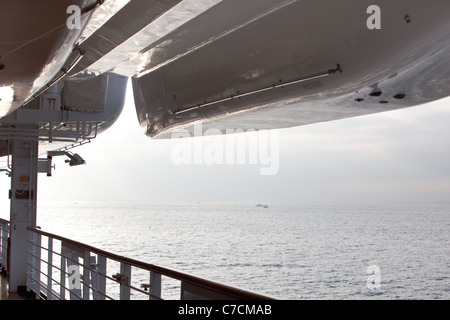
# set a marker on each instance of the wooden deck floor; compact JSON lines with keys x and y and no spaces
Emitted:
{"x":4,"y":294}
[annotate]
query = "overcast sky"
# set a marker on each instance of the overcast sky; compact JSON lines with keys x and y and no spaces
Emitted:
{"x":400,"y":155}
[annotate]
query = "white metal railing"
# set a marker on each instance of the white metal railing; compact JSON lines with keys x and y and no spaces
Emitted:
{"x":4,"y":236}
{"x":60,"y":268}
{"x":54,"y":132}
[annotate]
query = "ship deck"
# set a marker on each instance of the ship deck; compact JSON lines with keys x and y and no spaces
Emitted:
{"x":4,"y":294}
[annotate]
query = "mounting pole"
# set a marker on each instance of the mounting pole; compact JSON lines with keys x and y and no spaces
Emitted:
{"x":23,"y":196}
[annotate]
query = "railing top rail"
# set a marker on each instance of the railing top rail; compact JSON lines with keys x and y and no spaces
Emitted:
{"x":231,"y":292}
{"x":3,"y":221}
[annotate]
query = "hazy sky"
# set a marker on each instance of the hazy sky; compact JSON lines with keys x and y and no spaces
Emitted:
{"x":394,"y":156}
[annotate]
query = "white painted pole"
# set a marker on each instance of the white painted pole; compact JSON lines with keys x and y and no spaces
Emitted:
{"x":23,"y":207}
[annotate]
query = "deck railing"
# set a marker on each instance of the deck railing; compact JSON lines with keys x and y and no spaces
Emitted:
{"x":4,"y":236}
{"x":60,"y":268}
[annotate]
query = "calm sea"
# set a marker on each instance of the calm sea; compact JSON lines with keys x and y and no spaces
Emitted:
{"x":289,"y":251}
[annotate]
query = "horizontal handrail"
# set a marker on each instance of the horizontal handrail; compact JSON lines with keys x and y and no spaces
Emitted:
{"x":231,"y":292}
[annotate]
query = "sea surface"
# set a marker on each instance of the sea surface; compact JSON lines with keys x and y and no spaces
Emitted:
{"x":288,"y":251}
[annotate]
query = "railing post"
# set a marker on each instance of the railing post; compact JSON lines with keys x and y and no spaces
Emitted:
{"x":101,"y":278}
{"x":94,"y":277}
{"x":155,"y":285}
{"x":125,"y":280}
{"x":62,"y":278}
{"x":72,"y":255}
{"x":34,"y":263}
{"x":49,"y":269}
{"x":86,"y":274}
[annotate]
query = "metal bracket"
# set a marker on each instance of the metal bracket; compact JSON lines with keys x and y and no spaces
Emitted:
{"x":145,"y":286}
{"x":44,"y":165}
{"x":121,"y":278}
